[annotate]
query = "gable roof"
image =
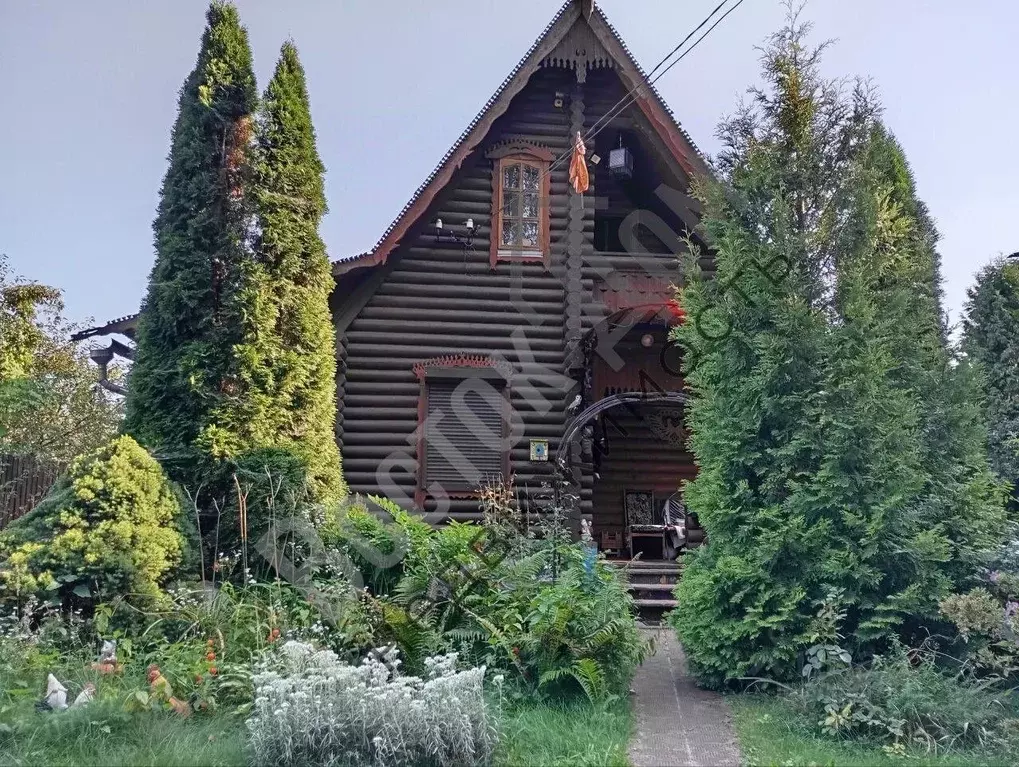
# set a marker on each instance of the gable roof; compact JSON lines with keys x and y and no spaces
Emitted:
{"x":647,"y":99}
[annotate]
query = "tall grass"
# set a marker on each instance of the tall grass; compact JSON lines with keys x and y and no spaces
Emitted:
{"x":103,"y":734}
{"x":575,"y":734}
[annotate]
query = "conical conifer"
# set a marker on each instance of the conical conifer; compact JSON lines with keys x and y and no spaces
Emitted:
{"x":285,"y":364}
{"x":187,"y":330}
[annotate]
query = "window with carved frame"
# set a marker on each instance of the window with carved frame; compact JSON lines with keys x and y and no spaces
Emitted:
{"x":520,"y":210}
{"x":463,"y":426}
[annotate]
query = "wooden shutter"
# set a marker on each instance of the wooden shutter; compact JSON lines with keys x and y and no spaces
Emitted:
{"x":465,"y":433}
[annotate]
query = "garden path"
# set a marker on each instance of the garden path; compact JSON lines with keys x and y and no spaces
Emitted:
{"x":678,"y":724}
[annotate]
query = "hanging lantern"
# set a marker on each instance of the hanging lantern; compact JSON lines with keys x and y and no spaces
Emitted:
{"x":621,"y":161}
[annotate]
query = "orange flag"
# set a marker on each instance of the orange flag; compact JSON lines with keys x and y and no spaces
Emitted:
{"x":578,"y":167}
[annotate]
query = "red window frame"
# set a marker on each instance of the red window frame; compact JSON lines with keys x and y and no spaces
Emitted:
{"x":525,"y":156}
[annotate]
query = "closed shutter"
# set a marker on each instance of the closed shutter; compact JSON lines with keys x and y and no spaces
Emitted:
{"x":464,"y":434}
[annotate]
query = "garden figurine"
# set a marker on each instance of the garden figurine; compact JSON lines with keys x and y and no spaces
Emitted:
{"x":85,"y":696}
{"x":56,"y":695}
{"x":107,"y":663}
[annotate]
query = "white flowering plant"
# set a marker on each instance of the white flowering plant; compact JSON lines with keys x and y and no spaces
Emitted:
{"x":313,"y":708}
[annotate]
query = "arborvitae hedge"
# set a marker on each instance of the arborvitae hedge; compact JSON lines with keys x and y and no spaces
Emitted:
{"x":992,"y":341}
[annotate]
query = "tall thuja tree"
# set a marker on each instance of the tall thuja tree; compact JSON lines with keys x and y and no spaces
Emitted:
{"x":188,"y":325}
{"x":756,"y":345}
{"x":992,"y":341}
{"x":959,"y":515}
{"x":284,"y":360}
{"x":910,"y":504}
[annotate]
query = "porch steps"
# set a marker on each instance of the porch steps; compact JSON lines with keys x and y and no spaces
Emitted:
{"x":651,"y":584}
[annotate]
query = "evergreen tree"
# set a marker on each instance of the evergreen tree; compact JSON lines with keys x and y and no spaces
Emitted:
{"x":904,"y":480}
{"x":187,"y":330}
{"x":756,"y":347}
{"x":285,"y":365}
{"x":829,"y":422}
{"x":960,"y":500}
{"x":991,"y":339}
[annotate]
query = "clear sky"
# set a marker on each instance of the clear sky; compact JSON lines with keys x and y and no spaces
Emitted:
{"x":88,"y":93}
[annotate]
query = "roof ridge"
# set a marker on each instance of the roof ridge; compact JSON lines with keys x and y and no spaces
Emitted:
{"x":375,"y":254}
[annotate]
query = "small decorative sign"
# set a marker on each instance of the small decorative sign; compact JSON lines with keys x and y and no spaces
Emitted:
{"x":539,"y":449}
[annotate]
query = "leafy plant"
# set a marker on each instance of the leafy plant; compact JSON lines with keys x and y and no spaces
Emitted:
{"x":989,"y":629}
{"x":51,"y":404}
{"x":546,"y":610}
{"x":905,"y":698}
{"x":826,"y":635}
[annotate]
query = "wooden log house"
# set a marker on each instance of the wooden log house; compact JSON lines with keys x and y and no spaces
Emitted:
{"x":464,"y":347}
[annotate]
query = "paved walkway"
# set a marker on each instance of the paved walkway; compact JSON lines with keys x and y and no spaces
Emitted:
{"x":678,"y":724}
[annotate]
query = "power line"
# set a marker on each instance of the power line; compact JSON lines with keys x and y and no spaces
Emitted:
{"x":658,"y":66}
{"x":629,"y":97}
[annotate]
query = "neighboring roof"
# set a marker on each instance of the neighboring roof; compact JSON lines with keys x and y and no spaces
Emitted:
{"x":123,"y":325}
{"x":647,"y":99}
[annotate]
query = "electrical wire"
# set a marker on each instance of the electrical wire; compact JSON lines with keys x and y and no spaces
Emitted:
{"x":658,"y":66}
{"x":647,"y":80}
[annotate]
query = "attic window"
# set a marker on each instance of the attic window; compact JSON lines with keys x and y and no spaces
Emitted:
{"x":520,"y":206}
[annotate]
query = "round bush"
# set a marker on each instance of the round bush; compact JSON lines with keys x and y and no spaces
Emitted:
{"x":109,"y":527}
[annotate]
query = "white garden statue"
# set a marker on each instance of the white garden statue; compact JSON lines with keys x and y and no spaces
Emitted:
{"x":56,"y":694}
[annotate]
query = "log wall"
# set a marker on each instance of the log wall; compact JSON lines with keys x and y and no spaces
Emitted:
{"x":438,"y":299}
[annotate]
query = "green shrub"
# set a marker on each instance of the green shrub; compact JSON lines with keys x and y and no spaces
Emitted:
{"x":579,"y":631}
{"x":551,"y":613}
{"x":379,"y":549}
{"x":905,"y":698}
{"x":110,"y":527}
{"x":988,"y":627}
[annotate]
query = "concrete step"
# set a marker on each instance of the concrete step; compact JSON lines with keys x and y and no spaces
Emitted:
{"x":643,"y":564}
{"x":653,"y":578}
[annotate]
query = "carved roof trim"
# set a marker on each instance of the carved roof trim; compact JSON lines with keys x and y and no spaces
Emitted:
{"x":520,"y":146}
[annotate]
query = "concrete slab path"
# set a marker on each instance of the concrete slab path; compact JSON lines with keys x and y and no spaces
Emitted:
{"x":678,"y":724}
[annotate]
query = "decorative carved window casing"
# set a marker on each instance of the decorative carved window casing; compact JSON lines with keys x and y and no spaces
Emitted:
{"x":520,"y":202}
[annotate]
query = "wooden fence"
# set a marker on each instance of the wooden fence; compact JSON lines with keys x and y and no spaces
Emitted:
{"x":24,"y":481}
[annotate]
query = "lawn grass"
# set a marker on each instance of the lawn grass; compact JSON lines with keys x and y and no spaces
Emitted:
{"x":771,"y":733}
{"x":103,"y":734}
{"x":578,"y":734}
{"x":534,"y":734}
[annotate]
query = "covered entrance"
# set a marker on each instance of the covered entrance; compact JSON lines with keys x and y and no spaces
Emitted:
{"x":633,"y":434}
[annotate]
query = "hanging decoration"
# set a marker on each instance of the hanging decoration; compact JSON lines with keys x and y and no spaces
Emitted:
{"x":579,"y":177}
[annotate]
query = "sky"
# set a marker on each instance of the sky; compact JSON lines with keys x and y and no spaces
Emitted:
{"x":89,"y":91}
